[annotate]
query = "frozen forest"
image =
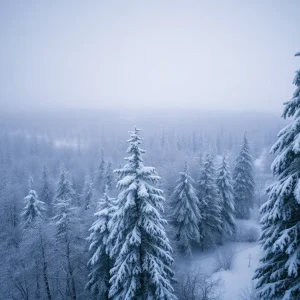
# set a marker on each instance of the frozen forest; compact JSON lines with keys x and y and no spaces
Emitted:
{"x":169,"y":222}
{"x":149,"y":150}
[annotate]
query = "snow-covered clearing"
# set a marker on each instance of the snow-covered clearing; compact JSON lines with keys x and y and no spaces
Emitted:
{"x":238,"y":279}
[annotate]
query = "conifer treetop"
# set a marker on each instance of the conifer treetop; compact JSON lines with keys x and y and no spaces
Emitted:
{"x":34,"y":210}
{"x":63,"y":203}
{"x":186,"y":213}
{"x":224,"y":183}
{"x":141,"y":250}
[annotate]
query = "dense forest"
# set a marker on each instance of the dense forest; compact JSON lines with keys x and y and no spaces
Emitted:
{"x":65,"y":191}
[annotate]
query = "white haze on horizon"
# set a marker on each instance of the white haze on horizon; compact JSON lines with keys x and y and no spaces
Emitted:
{"x":207,"y":55}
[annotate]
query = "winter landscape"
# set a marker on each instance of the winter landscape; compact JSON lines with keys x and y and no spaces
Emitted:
{"x":149,"y":150}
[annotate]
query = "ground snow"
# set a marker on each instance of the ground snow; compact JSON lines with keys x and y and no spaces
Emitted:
{"x":237,"y":280}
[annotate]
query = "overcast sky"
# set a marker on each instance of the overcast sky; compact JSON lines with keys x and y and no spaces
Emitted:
{"x":233,"y":55}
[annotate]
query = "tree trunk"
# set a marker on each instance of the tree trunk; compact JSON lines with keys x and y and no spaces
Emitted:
{"x":73,"y":289}
{"x":38,"y":290}
{"x":45,"y":269}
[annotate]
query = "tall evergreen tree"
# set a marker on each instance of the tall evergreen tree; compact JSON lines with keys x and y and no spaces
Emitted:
{"x":100,"y":262}
{"x":141,"y":252}
{"x":186,"y":213}
{"x":243,"y":182}
{"x":100,"y":175}
{"x":63,"y":203}
{"x":63,"y":221}
{"x":32,"y":215}
{"x":278,"y":276}
{"x":224,"y":183}
{"x":210,"y":224}
{"x":34,"y":209}
{"x":87,"y":193}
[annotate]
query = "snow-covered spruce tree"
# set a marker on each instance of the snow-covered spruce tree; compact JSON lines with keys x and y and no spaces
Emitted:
{"x":63,"y":203}
{"x":63,"y":221}
{"x":34,"y":238}
{"x":243,"y":182}
{"x":100,"y":175}
{"x":186,"y":213}
{"x":87,"y":193}
{"x":224,"y":183}
{"x":141,"y":252}
{"x":100,"y":262}
{"x":209,"y":204}
{"x":278,"y":276}
{"x":34,"y":209}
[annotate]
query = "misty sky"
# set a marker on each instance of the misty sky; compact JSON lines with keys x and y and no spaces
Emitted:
{"x":233,"y":55}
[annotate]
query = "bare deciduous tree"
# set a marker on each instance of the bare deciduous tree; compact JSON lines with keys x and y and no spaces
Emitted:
{"x":195,"y":285}
{"x":225,"y":257}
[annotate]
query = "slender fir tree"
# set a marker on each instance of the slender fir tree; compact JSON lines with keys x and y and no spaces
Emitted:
{"x":142,"y":253}
{"x":243,"y":182}
{"x":278,"y":276}
{"x":63,"y":203}
{"x":100,"y":175}
{"x":186,"y":213}
{"x":210,"y":224}
{"x":34,"y":209}
{"x":87,"y":194}
{"x":33,"y":215}
{"x":63,"y":220}
{"x":224,"y":183}
{"x":100,"y":262}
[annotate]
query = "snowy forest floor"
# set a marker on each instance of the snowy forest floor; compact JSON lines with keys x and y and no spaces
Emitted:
{"x":236,"y":278}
